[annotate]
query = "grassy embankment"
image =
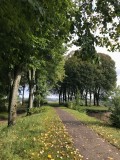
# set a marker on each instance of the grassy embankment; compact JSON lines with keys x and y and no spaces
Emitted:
{"x":108,"y":132}
{"x":40,"y":136}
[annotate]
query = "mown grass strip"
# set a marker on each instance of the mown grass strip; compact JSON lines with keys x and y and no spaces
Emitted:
{"x":108,"y":132}
{"x":37,"y":137}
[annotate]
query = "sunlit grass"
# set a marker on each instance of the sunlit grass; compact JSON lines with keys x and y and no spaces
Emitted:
{"x":37,"y":137}
{"x":105,"y":130}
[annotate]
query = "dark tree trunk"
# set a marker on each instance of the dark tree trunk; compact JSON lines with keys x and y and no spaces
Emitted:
{"x":65,"y":96}
{"x":97,"y":100}
{"x":23,"y":95}
{"x":36,"y":100}
{"x":68,"y":96}
{"x":98,"y":97}
{"x":31,"y":93}
{"x":86,"y":99}
{"x":90,"y":98}
{"x":71,"y":96}
{"x":60,"y":97}
{"x":94,"y":99}
{"x":31,"y":78}
{"x":12,"y":107}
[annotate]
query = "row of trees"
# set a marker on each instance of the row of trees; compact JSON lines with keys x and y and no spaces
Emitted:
{"x":32,"y":34}
{"x":86,"y":79}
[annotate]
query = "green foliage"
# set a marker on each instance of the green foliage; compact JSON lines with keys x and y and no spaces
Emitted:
{"x":91,"y":16}
{"x":115,"y":110}
{"x":76,"y":105}
{"x":88,"y":78}
{"x":36,"y":110}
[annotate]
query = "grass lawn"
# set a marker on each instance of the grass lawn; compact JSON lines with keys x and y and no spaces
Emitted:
{"x":105,"y":130}
{"x":37,"y":137}
{"x":92,"y":108}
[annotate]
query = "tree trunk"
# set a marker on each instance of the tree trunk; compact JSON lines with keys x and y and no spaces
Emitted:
{"x":60,"y":93}
{"x":98,"y":97}
{"x":68,"y":96}
{"x":90,"y":98}
{"x":39,"y":101}
{"x":94,"y":99}
{"x":31,"y":93}
{"x":31,"y":78}
{"x":12,"y":107}
{"x":71,"y":96}
{"x":65,"y":96}
{"x":59,"y":98}
{"x":97,"y":100}
{"x":86,"y":99}
{"x":23,"y":95}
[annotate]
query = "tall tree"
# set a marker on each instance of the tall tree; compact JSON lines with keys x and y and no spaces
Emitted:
{"x":30,"y":28}
{"x":96,"y":22}
{"x":87,"y":78}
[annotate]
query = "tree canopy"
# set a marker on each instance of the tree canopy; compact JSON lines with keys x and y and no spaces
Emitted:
{"x":89,"y":79}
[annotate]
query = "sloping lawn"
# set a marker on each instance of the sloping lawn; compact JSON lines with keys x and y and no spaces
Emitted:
{"x":37,"y":137}
{"x":108,"y":132}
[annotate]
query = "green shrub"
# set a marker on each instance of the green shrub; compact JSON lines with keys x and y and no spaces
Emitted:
{"x":36,"y":110}
{"x":115,"y":112}
{"x":72,"y":105}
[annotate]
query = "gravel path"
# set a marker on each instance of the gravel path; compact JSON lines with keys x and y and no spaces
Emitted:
{"x":90,"y":145}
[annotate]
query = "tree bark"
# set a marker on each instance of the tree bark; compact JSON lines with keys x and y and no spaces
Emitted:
{"x":12,"y":107}
{"x":31,"y":93}
{"x":94,"y":99}
{"x":31,"y":78}
{"x":90,"y":97}
{"x":98,"y":96}
{"x":59,"y":98}
{"x":68,"y":96}
{"x":65,"y":96}
{"x":86,"y":98}
{"x":23,"y":100}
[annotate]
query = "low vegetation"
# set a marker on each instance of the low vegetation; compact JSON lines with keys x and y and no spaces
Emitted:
{"x":73,"y":105}
{"x":115,"y":116}
{"x":38,"y":136}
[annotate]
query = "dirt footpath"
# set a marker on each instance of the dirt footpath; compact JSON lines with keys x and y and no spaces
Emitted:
{"x":90,"y":145}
